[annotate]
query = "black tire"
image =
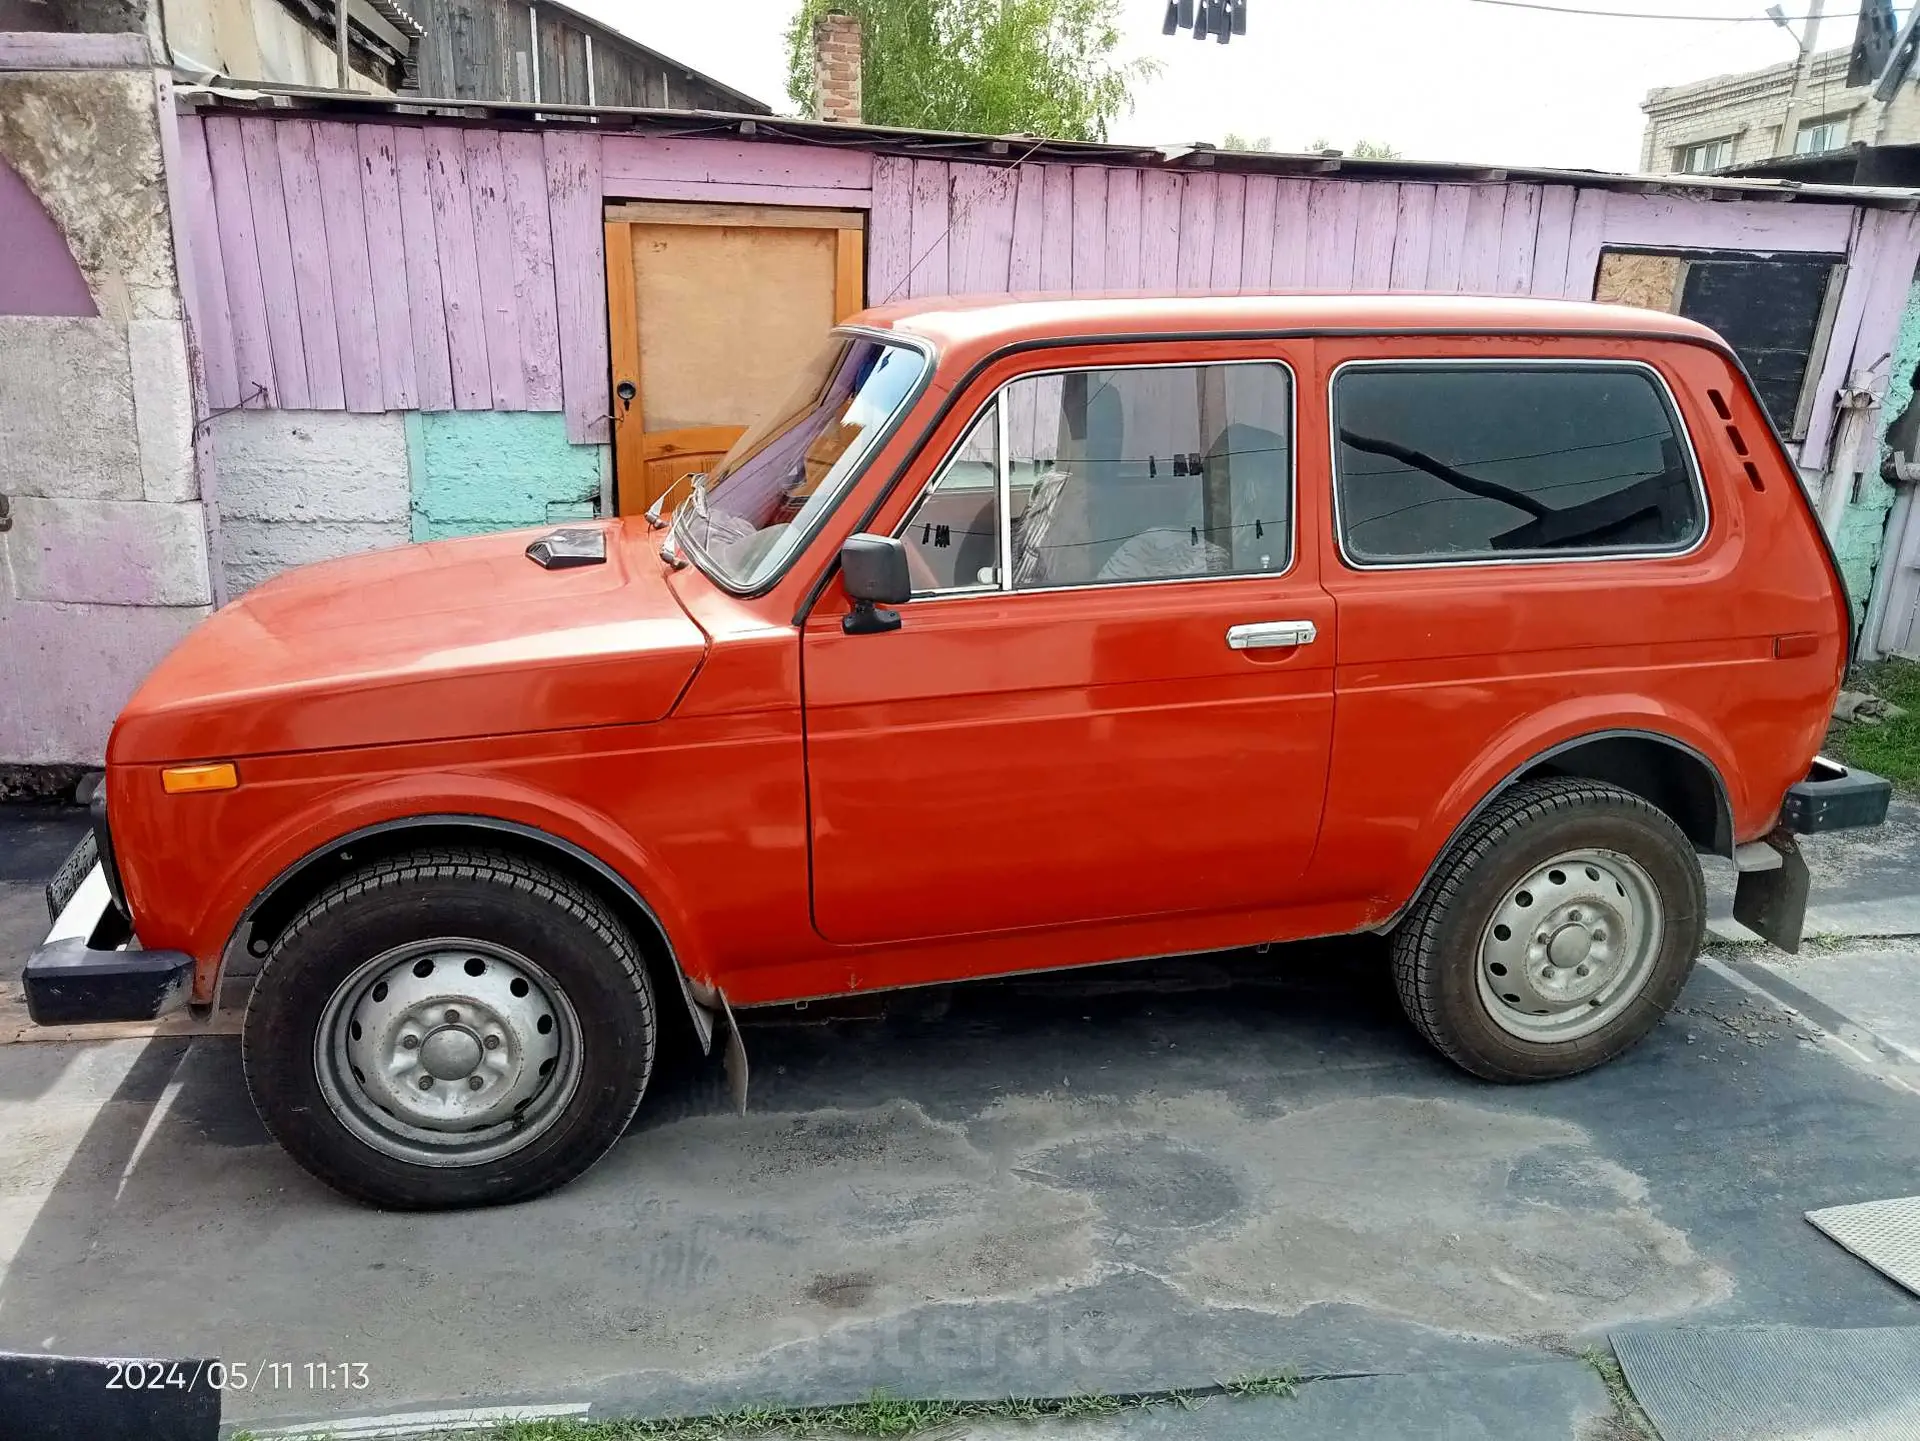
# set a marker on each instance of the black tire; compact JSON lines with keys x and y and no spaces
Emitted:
{"x":481,"y":896}
{"x":1436,"y":948}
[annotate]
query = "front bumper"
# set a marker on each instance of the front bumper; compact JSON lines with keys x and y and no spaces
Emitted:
{"x":1770,"y":898}
{"x":91,"y":967}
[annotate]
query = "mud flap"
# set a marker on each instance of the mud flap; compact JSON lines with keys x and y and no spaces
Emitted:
{"x":736,"y":1056}
{"x":1773,"y":903}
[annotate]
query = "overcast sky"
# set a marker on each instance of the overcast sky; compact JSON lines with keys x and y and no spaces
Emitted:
{"x":1436,"y":79}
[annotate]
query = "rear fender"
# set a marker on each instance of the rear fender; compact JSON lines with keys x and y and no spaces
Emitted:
{"x":1552,"y":732}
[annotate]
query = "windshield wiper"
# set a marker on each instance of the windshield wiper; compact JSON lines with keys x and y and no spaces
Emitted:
{"x":696,"y":504}
{"x":656,"y":514}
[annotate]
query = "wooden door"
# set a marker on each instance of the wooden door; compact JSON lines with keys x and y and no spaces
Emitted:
{"x":712,"y":311}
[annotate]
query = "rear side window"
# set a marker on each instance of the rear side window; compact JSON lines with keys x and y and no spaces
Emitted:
{"x":1438,"y":462}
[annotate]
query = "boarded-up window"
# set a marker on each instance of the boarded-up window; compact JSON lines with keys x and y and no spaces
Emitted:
{"x":1774,"y":310}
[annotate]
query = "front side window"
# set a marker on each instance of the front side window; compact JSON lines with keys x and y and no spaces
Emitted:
{"x":1440,"y":462}
{"x":782,"y":477}
{"x":953,"y":534}
{"x":1149,"y":473}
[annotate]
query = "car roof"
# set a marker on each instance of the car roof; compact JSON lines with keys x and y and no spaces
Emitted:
{"x":974,"y":321}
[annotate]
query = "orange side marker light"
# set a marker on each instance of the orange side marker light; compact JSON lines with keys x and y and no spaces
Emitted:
{"x":218,"y":776}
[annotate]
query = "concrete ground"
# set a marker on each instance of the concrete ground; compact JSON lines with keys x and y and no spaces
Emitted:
{"x":1120,"y":1180}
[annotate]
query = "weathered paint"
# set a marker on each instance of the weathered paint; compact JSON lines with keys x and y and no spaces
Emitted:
{"x":87,"y":145}
{"x":68,"y":390}
{"x":305,"y":485}
{"x":1863,"y":535}
{"x":108,"y":552}
{"x":393,"y":267}
{"x":106,"y":562}
{"x":40,"y":276}
{"x":497,"y":233}
{"x":72,"y":666}
{"x":490,"y":470}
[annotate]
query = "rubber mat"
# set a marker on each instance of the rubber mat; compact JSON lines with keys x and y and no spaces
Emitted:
{"x":1775,"y":1383}
{"x":1884,"y":1234}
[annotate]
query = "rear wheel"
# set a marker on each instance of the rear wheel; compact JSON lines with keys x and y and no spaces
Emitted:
{"x":450,"y":1028}
{"x":1555,"y":934}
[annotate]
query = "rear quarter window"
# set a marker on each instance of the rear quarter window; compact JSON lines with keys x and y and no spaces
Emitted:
{"x":1438,"y":462}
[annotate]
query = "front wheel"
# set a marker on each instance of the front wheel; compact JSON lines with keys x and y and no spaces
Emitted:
{"x":450,"y":1028}
{"x":1554,"y":935}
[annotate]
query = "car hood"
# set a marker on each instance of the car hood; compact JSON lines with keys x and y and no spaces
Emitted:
{"x":425,"y":642}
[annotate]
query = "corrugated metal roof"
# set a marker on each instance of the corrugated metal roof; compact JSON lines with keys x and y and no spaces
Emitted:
{"x":1003,"y":149}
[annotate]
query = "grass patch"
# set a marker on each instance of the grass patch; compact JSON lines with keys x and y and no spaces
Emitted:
{"x":879,"y":1415}
{"x":1893,"y":748}
{"x":1628,"y":1422}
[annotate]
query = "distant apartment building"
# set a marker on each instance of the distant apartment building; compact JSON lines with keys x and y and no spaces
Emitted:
{"x":1733,"y":121}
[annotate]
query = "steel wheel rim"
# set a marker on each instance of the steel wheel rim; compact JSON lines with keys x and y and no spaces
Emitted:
{"x":1570,"y":946}
{"x":448,"y":1052}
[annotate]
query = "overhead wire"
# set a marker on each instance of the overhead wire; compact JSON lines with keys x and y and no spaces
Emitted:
{"x":1653,"y":14}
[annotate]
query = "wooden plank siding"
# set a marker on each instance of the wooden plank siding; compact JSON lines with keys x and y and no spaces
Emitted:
{"x":402,"y":264}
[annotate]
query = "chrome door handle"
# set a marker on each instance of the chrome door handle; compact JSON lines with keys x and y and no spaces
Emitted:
{"x":1266,"y":633}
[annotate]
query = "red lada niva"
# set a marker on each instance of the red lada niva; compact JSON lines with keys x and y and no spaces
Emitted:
{"x":1026,"y":634}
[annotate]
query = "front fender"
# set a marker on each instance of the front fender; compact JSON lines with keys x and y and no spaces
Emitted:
{"x":241,"y":845}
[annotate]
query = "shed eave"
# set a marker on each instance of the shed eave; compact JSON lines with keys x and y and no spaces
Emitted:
{"x":288,"y":100}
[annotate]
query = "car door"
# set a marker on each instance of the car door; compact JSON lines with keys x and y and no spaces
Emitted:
{"x":1111,"y":695}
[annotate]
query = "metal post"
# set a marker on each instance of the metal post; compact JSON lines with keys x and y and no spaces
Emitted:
{"x":343,"y":75}
{"x":1802,"y":76}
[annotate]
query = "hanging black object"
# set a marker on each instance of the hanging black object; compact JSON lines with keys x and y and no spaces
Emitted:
{"x":1872,"y":42}
{"x":1222,"y":19}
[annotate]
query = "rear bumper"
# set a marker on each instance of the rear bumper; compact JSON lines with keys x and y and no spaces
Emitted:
{"x":1834,"y":798}
{"x":92,"y":968}
{"x":1770,"y":898}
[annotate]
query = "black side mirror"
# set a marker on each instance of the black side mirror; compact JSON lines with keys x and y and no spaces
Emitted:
{"x":873,"y":568}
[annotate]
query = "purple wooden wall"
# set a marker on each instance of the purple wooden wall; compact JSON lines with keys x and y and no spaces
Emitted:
{"x":379,"y":267}
{"x":941,"y":226}
{"x":366,"y":267}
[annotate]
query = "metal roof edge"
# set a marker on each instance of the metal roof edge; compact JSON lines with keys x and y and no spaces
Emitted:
{"x":1011,"y":149}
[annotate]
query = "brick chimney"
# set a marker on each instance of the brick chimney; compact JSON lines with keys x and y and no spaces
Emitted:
{"x":836,"y":67}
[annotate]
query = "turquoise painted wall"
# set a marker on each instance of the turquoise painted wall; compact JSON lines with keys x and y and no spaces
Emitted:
{"x":475,"y":471}
{"x":1864,"y":526}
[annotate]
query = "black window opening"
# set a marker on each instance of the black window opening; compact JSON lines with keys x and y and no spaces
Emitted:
{"x":1773,"y":309}
{"x":1446,"y":462}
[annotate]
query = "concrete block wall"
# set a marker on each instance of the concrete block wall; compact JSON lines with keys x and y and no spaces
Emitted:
{"x":479,"y":470}
{"x":105,"y":565}
{"x":305,"y":485}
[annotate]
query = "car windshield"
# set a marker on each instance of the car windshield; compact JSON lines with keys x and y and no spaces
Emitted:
{"x":765,"y":496}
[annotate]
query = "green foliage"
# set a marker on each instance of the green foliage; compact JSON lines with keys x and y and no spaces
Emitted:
{"x":880,"y":1415}
{"x":1233,"y":140}
{"x":1362,"y":149}
{"x":987,"y":67}
{"x":1891,"y":749}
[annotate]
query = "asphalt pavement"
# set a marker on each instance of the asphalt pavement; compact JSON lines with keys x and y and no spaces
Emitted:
{"x":1118,"y":1180}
